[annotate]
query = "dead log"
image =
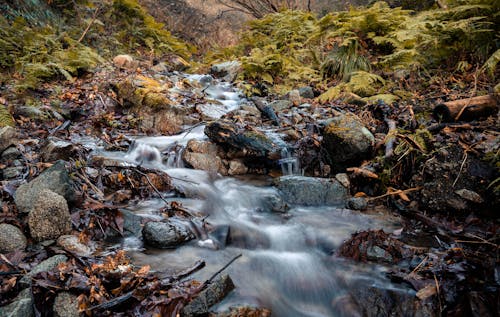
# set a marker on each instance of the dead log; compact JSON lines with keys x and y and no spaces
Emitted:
{"x":467,"y":109}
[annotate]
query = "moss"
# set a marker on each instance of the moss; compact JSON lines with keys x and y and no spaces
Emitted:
{"x":141,"y":91}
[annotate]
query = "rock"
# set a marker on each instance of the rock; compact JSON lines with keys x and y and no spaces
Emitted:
{"x":66,"y":305}
{"x":49,"y":217}
{"x":253,"y":143}
{"x":245,"y":311}
{"x":214,"y":293}
{"x":151,"y":100}
{"x":202,"y":155}
{"x":7,"y":137}
{"x":346,"y":140}
{"x":56,"y":179}
{"x":57,"y":149}
{"x":31,"y":112}
{"x":311,"y":191}
{"x":469,"y":195}
{"x":306,"y":92}
{"x":178,"y":63}
{"x":166,"y":234}
{"x":227,"y":70}
{"x":10,"y":154}
{"x":44,"y":266}
{"x":377,"y":301}
{"x":22,"y":306}
{"x":72,"y":244}
{"x":11,"y":238}
{"x":280,"y":105}
{"x":124,"y":61}
{"x":274,"y":202}
{"x":132,"y":223}
{"x":357,"y":203}
{"x":161,"y":67}
{"x":12,"y":172}
{"x":294,"y":97}
{"x":237,"y":167}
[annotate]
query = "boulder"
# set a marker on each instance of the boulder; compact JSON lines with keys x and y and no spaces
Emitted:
{"x":214,"y":293}
{"x":168,"y":234}
{"x":7,"y":137}
{"x":306,"y":92}
{"x":10,"y":154}
{"x":22,"y":306}
{"x":202,"y":155}
{"x":57,"y":149}
{"x":280,"y":105}
{"x":44,"y":266}
{"x":151,"y":100}
{"x":11,"y":238}
{"x":72,"y":244}
{"x":56,"y":179}
{"x":66,"y":305}
{"x":357,"y":203}
{"x":124,"y":61}
{"x":312,"y":191}
{"x":49,"y":217}
{"x":346,"y":140}
{"x":237,"y":167}
{"x":251,"y":142}
{"x":226,"y":70}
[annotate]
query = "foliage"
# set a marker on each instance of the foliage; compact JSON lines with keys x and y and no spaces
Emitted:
{"x":135,"y":28}
{"x":41,"y":53}
{"x":5,"y":117}
{"x":260,"y":8}
{"x":292,"y":47}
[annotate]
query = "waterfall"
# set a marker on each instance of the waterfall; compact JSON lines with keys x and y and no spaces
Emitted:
{"x":290,"y":164}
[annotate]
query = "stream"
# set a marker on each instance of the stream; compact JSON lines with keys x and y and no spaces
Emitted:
{"x":288,"y":261}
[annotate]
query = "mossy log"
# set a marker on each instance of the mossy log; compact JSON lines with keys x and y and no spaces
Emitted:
{"x":467,"y":109}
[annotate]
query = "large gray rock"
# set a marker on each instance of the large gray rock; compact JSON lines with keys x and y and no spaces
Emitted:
{"x":22,"y":306}
{"x":202,"y":155}
{"x":166,"y":234}
{"x":250,"y":142}
{"x":56,"y":179}
{"x":66,"y":305}
{"x":214,"y":293}
{"x":44,"y":266}
{"x":7,"y":137}
{"x":49,"y":217}
{"x":346,"y":140}
{"x":226,"y":70}
{"x":312,"y":191}
{"x":11,"y":238}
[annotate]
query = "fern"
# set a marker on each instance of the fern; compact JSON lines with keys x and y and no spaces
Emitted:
{"x":5,"y":117}
{"x":491,"y":64}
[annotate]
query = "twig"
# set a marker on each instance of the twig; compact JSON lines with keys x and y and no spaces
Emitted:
{"x":98,"y":192}
{"x":397,"y":192}
{"x":94,"y":17}
{"x":223,"y":268}
{"x":10,"y":273}
{"x":473,"y":92}
{"x":438,"y":293}
{"x":482,"y":241}
{"x":418,"y":266}
{"x":461,"y":169}
{"x":153,"y":186}
{"x":390,"y":138}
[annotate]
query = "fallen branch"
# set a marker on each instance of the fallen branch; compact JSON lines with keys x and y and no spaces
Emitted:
{"x":223,"y":268}
{"x":466,"y":109}
{"x":398,"y":192}
{"x":390,"y":138}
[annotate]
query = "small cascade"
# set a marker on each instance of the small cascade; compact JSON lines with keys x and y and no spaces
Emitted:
{"x":290,"y":164}
{"x":173,"y":156}
{"x":142,"y":153}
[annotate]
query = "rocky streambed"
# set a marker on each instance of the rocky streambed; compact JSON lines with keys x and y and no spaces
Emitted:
{"x":284,"y":194}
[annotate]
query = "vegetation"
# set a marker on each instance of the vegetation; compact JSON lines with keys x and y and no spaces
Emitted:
{"x":40,"y":49}
{"x":350,"y":51}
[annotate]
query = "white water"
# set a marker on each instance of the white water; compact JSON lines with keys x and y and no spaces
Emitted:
{"x":287,"y":264}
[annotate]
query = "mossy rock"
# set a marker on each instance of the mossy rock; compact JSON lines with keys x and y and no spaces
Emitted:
{"x":144,"y":92}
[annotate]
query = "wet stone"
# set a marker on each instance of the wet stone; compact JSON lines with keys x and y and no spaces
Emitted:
{"x":12,"y":172}
{"x":312,"y":191}
{"x":22,"y":306}
{"x":57,"y":149}
{"x":357,"y":203}
{"x":7,"y":135}
{"x":11,"y":238}
{"x":306,"y":92}
{"x":214,"y":293}
{"x":72,"y":244}
{"x":166,"y":234}
{"x":10,"y":154}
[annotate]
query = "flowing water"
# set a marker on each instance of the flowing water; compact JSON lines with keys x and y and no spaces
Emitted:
{"x":288,"y":262}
